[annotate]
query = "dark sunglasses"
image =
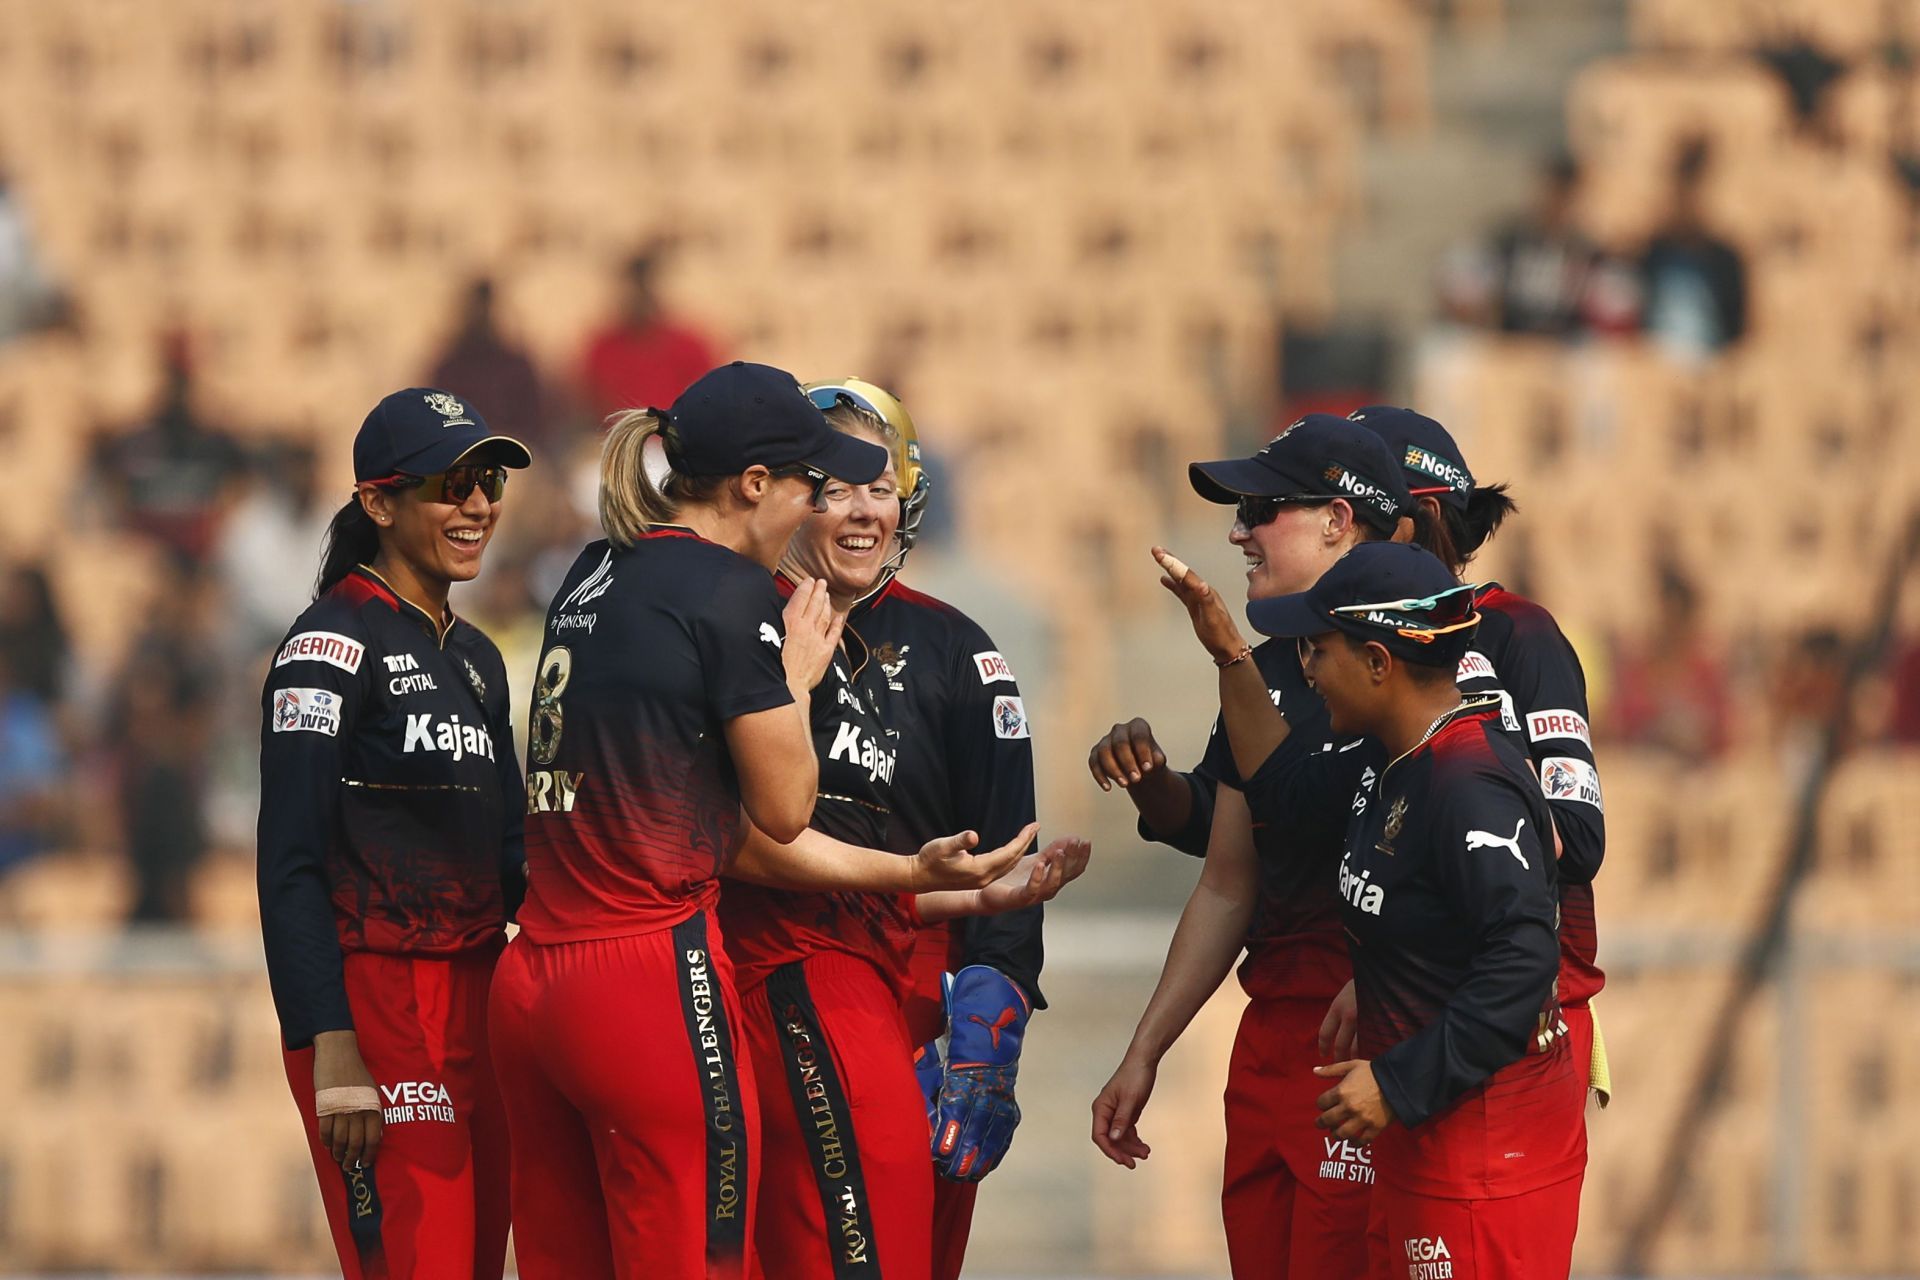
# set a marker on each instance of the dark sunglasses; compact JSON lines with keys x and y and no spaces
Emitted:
{"x":1251,"y":513}
{"x":456,"y":484}
{"x":800,"y":470}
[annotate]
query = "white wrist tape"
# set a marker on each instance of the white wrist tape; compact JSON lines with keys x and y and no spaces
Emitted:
{"x":352,"y":1097}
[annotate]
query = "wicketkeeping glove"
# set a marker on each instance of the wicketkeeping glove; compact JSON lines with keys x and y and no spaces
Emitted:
{"x":928,"y":1069}
{"x":986,"y":1020}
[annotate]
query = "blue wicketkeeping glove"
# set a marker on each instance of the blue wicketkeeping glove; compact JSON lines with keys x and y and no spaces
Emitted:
{"x":986,"y":1021}
{"x":928,"y":1069}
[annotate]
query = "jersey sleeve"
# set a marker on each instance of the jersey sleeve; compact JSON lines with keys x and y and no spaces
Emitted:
{"x":739,"y":634}
{"x":1549,"y":692}
{"x":1496,"y":873}
{"x":989,"y":752}
{"x":310,"y":707}
{"x":513,"y":793}
{"x":1308,"y":795}
{"x":1190,"y":839}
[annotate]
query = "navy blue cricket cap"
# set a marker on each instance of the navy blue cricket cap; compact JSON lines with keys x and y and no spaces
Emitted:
{"x":1393,"y":592}
{"x":1320,"y":456}
{"x":422,"y":431}
{"x":1432,"y":461}
{"x":743,"y":414}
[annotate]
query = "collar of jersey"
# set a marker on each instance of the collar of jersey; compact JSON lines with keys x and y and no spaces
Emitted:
{"x":406,"y":606}
{"x":1469,"y":705}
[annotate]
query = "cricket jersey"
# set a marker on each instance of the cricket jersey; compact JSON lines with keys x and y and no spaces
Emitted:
{"x":1448,"y":893}
{"x":632,"y":802}
{"x":389,"y":796}
{"x":858,"y":752}
{"x":966,"y":756}
{"x":1520,"y":652}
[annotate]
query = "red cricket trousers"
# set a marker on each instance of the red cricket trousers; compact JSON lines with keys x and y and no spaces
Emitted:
{"x":846,"y":1185}
{"x":926,"y":1013}
{"x":1523,"y":1237}
{"x":433,"y":1206}
{"x":1295,"y":1197}
{"x":634,"y":1117}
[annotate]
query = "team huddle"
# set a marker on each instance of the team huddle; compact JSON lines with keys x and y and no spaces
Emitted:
{"x":772,"y":864}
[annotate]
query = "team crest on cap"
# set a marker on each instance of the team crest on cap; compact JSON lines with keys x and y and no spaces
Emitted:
{"x":1283,"y":435}
{"x":447,"y":407}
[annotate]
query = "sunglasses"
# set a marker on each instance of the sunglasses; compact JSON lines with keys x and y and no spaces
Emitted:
{"x":800,"y":470}
{"x":1452,"y":609}
{"x":1251,"y":513}
{"x":825,"y":398}
{"x":456,"y":484}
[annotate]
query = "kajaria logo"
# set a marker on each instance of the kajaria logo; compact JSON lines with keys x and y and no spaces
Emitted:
{"x":451,"y":736}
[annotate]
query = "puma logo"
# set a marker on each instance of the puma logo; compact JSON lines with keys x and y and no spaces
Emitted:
{"x":1486,"y":839}
{"x":995,"y":1027}
{"x":768,"y":634}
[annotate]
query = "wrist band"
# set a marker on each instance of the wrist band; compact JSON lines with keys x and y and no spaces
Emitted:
{"x":345,"y":1098}
{"x":1246,"y":651}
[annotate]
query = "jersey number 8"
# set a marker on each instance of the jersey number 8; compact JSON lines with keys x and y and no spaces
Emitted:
{"x":556,"y":668}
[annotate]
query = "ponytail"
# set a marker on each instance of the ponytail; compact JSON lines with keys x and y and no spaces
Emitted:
{"x":1456,"y":536}
{"x":632,"y":501}
{"x":352,"y":538}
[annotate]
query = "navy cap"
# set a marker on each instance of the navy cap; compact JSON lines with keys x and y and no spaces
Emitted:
{"x":1427,"y":453}
{"x":1418,"y":610}
{"x":422,"y":431}
{"x":1321,"y":456}
{"x":743,"y":414}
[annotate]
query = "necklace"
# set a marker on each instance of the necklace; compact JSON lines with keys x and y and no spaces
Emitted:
{"x":1439,"y":722}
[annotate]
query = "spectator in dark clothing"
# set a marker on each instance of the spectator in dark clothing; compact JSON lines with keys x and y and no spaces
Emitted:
{"x":643,"y":357}
{"x":1809,"y":73}
{"x":33,"y":641}
{"x":1904,"y":725}
{"x":170,"y":474}
{"x":1695,"y":284}
{"x":161,"y":725}
{"x":481,"y":366}
{"x":1540,"y":275}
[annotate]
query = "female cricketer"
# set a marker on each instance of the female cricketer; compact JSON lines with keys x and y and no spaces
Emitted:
{"x":1465,"y":1084}
{"x":1294,"y":1203}
{"x":846,"y":1187}
{"x":1520,"y":653}
{"x":669,"y":725}
{"x":390,"y":851}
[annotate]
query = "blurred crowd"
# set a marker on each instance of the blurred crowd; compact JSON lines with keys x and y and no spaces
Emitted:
{"x":153,"y":755}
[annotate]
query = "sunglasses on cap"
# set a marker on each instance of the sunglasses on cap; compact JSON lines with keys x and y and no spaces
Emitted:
{"x":800,"y":470}
{"x":1448,"y":611}
{"x":1251,"y":513}
{"x":456,"y":484}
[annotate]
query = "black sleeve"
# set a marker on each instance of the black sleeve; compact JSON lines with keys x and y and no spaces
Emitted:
{"x":1192,"y":838}
{"x":989,"y":752}
{"x":302,"y":760}
{"x":739,"y":634}
{"x":1549,"y":692}
{"x":513,"y":796}
{"x":1308,"y":795}
{"x":1494,"y":1013}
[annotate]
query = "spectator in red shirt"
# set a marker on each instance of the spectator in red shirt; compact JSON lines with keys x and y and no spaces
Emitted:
{"x":643,"y":356}
{"x":1671,"y":692}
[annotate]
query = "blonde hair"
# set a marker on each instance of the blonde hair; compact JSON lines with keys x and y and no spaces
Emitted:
{"x":631,"y":500}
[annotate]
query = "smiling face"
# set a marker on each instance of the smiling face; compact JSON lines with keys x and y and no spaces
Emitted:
{"x":438,"y":541}
{"x":1289,"y":552}
{"x":1343,"y":674}
{"x":849,"y":542}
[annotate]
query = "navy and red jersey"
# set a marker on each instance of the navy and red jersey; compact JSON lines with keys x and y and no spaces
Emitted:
{"x":1298,"y":801}
{"x":1449,"y":897}
{"x":1520,"y":652}
{"x":966,"y":756}
{"x":632,"y":803}
{"x":389,"y":796}
{"x":858,"y":752}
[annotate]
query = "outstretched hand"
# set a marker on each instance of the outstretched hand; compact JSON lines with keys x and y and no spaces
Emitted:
{"x":950,"y":863}
{"x":1212,"y":624}
{"x":1038,"y":877}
